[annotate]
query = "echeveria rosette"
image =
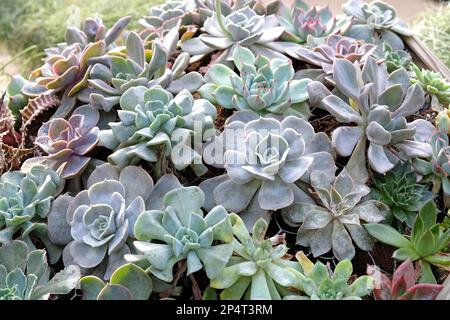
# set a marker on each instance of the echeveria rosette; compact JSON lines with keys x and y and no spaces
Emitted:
{"x":67,"y":142}
{"x":243,"y":27}
{"x":335,"y":222}
{"x":425,"y":244}
{"x":154,"y":124}
{"x":376,"y":22}
{"x":258,"y":270}
{"x":378,"y":104}
{"x":180,"y":231}
{"x":318,"y":282}
{"x":399,"y":190}
{"x":394,"y":59}
{"x":25,"y":201}
{"x":310,"y":25}
{"x":434,"y":84}
{"x":263,"y":86}
{"x":402,"y":285}
{"x":134,"y":65}
{"x":437,"y":168}
{"x":25,"y":274}
{"x":335,"y":47}
{"x":264,"y":158}
{"x":97,"y":224}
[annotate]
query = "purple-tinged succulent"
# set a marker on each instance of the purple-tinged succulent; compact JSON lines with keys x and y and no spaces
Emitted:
{"x":306,"y":24}
{"x":336,"y":47}
{"x":67,"y":142}
{"x":403,"y":285}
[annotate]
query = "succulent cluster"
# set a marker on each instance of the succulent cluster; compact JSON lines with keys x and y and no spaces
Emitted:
{"x":199,"y":157}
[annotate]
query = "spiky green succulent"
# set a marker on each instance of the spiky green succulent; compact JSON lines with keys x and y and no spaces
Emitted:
{"x":377,"y":103}
{"x":128,"y":282}
{"x":25,"y":201}
{"x":67,"y":67}
{"x":154,"y":125}
{"x":97,"y":225}
{"x":264,"y":158}
{"x":399,"y":190}
{"x":433,"y":84}
{"x":133,"y":66}
{"x":376,"y":22}
{"x":180,"y":231}
{"x":242,"y":27}
{"x":311,"y":25}
{"x":25,"y":275}
{"x":319,"y":282}
{"x":263,"y":86}
{"x":425,"y":244}
{"x":336,"y":220}
{"x":258,"y":269}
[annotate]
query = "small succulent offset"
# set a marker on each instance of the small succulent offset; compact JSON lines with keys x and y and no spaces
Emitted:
{"x":242,"y":27}
{"x":399,"y":190}
{"x":433,"y":84}
{"x":425,"y":244}
{"x":25,"y":201}
{"x":376,"y":21}
{"x":15,"y":100}
{"x":378,"y":104}
{"x":181,"y":232}
{"x":163,"y":18}
{"x":263,"y":86}
{"x":25,"y":275}
{"x":394,"y":59}
{"x":335,"y":47}
{"x":310,"y":25}
{"x":403,"y":284}
{"x":97,"y":223}
{"x":437,"y":169}
{"x":337,"y":218}
{"x":154,"y":124}
{"x":318,"y":282}
{"x":67,"y":142}
{"x":133,"y":66}
{"x":264,"y":158}
{"x":128,"y":282}
{"x":67,"y":66}
{"x":259,"y":267}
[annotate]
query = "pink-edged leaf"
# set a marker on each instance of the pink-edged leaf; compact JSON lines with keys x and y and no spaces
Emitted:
{"x":382,"y":284}
{"x":56,"y":127}
{"x":86,"y":143}
{"x":422,"y":291}
{"x":74,"y":166}
{"x":407,"y":271}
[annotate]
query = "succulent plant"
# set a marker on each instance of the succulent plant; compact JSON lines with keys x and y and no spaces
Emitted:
{"x":264,"y":86}
{"x":67,"y":66}
{"x":433,"y":84}
{"x":306,"y":24}
{"x":67,"y":142}
{"x":165,"y":17}
{"x":318,"y":282}
{"x":378,"y":104}
{"x":15,"y":100}
{"x":25,"y":275}
{"x":403,"y":285}
{"x":376,"y":21}
{"x":128,"y":282}
{"x":263,"y":158}
{"x":133,"y":66}
{"x":154,"y":124}
{"x":25,"y":201}
{"x":259,"y":268}
{"x":437,"y":169}
{"x":423,"y":245}
{"x":399,"y":191}
{"x":97,"y":224}
{"x":336,"y":47}
{"x":180,"y":232}
{"x":394,"y":59}
{"x":337,"y":219}
{"x":242,"y":27}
